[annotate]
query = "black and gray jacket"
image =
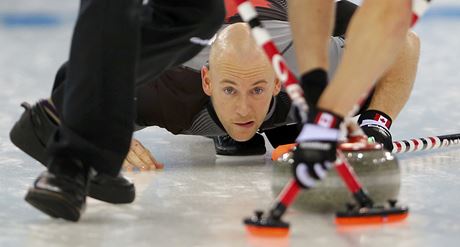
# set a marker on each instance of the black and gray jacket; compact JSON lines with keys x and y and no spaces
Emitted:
{"x":175,"y":101}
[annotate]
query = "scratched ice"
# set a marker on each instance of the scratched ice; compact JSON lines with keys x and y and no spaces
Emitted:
{"x":199,"y":200}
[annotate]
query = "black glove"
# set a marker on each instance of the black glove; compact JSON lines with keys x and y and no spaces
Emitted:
{"x":381,"y":135}
{"x":376,"y":124}
{"x":317,"y":147}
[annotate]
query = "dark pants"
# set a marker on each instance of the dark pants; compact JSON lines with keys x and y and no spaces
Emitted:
{"x":112,"y":49}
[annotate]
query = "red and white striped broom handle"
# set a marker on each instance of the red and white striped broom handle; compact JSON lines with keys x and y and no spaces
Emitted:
{"x":425,"y":143}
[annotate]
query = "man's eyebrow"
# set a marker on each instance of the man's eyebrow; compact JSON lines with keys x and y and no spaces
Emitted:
{"x":259,"y":82}
{"x":228,"y":81}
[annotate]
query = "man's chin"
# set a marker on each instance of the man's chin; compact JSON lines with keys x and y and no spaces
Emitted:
{"x":241,"y":138}
{"x":241,"y":134}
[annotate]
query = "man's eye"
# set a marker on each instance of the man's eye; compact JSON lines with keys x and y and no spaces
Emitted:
{"x":258,"y":90}
{"x":229,"y":90}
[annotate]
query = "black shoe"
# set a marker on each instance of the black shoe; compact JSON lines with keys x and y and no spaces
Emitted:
{"x":110,"y":189}
{"x":225,"y":145}
{"x":380,"y":135}
{"x":31,"y":133}
{"x":61,"y":191}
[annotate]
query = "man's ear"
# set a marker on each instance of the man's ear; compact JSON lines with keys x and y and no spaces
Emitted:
{"x":205,"y":81}
{"x":277,"y":87}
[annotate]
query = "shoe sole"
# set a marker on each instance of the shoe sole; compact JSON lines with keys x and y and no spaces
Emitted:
{"x":115,"y":195}
{"x":52,"y":204}
{"x":20,"y":136}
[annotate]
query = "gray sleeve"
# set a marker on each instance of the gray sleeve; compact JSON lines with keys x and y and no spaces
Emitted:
{"x":336,"y":48}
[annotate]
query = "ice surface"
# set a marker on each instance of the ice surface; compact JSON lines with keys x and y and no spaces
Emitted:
{"x":198,"y":200}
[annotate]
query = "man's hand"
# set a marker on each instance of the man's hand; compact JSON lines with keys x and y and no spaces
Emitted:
{"x":140,"y":158}
{"x":317,"y":147}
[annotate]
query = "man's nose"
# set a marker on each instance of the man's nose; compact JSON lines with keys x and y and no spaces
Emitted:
{"x":242,"y":106}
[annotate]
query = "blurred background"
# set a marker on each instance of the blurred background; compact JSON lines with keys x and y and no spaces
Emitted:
{"x":34,"y":42}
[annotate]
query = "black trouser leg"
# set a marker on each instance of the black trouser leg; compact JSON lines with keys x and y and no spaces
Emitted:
{"x":167,"y":31}
{"x":97,"y":102}
{"x":97,"y":106}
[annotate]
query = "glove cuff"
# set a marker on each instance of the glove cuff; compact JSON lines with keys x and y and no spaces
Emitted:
{"x":324,"y":118}
{"x":321,"y":125}
{"x":375,"y":117}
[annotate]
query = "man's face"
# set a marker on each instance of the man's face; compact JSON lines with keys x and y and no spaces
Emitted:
{"x":241,"y":92}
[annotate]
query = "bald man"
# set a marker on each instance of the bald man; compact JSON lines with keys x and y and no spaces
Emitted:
{"x":236,"y":94}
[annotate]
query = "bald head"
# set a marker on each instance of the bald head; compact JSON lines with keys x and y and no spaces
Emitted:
{"x":240,"y":82}
{"x":235,"y":45}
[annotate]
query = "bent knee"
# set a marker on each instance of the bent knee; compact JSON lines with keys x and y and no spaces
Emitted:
{"x":394,"y":15}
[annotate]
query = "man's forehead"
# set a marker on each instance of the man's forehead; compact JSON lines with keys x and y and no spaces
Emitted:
{"x":254,"y":83}
{"x":235,"y":71}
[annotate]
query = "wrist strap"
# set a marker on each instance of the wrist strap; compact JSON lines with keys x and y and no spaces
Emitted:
{"x":374,"y":117}
{"x":324,"y":118}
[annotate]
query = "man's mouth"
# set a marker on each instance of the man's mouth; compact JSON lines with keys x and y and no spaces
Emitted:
{"x":248,"y":124}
